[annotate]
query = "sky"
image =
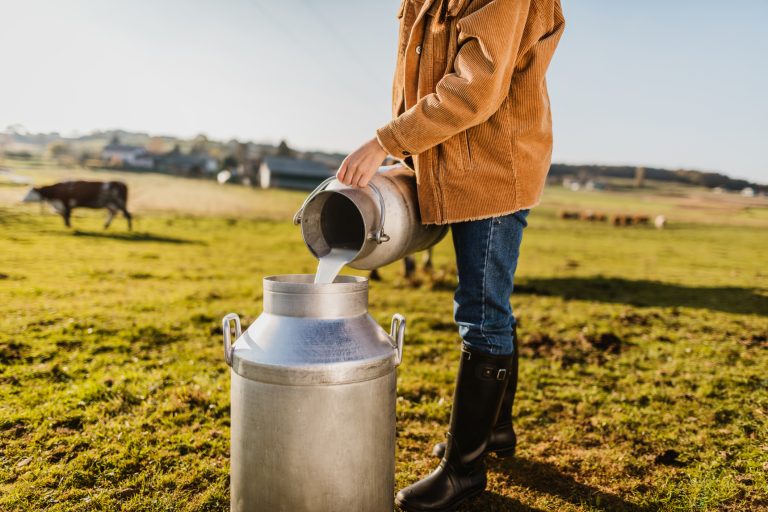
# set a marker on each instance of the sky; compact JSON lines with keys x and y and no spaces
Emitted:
{"x":674,"y":84}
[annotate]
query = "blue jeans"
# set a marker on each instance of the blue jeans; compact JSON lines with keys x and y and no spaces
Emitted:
{"x":486,"y":259}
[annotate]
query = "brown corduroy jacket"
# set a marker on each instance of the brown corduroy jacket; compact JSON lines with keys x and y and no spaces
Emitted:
{"x":470,"y":104}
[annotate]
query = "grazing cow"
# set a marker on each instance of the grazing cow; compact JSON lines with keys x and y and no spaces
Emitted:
{"x":591,"y":216}
{"x":622,"y":220}
{"x":66,"y":196}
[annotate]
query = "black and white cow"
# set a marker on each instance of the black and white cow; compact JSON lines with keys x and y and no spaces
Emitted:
{"x":65,"y":196}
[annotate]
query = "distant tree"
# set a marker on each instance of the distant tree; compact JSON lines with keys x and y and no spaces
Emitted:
{"x":230,"y":163}
{"x":59,"y":149}
{"x":199,"y":144}
{"x":87,"y":156}
{"x":241,"y":152}
{"x":284,"y":150}
{"x":639,"y":177}
{"x":19,"y":155}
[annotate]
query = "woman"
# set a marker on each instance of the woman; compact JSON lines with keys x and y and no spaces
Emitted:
{"x":472,"y":118}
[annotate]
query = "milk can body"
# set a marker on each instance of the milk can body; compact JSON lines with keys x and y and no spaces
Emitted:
{"x":313,"y":400}
{"x":380,"y":223}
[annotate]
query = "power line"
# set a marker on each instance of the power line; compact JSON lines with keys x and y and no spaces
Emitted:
{"x":278,"y":22}
{"x":348,"y":51}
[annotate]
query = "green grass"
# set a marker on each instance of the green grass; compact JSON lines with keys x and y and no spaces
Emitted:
{"x":643,"y":381}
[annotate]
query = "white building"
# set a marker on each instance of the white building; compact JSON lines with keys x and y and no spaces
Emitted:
{"x":279,"y":172}
{"x":748,"y":192}
{"x":128,"y":156}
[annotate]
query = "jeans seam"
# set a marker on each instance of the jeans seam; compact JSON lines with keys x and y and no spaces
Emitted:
{"x":485,"y":277}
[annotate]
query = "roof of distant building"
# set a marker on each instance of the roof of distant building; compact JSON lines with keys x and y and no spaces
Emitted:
{"x":123,"y":148}
{"x":174,"y":158}
{"x":295,"y":167}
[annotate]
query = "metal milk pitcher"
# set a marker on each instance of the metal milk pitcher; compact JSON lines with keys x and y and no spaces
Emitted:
{"x":380,"y":222}
{"x":313,"y":400}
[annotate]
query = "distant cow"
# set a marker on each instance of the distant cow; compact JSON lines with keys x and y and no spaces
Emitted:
{"x":565,"y":215}
{"x":621,"y":219}
{"x":591,"y":216}
{"x":641,"y":220}
{"x":65,"y":196}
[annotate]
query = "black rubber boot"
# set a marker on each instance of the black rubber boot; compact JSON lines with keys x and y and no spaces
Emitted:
{"x":480,"y":385}
{"x":503,"y":440}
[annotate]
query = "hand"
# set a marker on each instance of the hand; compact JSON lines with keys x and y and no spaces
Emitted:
{"x":359,"y":167}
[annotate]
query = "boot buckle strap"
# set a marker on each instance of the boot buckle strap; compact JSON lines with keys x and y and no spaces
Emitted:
{"x":491,"y":373}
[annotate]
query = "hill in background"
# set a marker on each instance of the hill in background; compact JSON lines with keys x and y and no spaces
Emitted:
{"x":16,"y":142}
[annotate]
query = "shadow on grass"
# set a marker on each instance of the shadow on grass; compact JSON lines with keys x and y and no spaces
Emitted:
{"x":548,"y":479}
{"x":492,"y":502}
{"x":729,"y":299}
{"x":133,"y":236}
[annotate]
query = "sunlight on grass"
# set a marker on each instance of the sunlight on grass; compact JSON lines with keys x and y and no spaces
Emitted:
{"x":643,"y":382}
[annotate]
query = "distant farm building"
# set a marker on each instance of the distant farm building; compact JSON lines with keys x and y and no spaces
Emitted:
{"x":192,"y":164}
{"x":748,"y":192}
{"x":117,"y":154}
{"x":176,"y":162}
{"x":281,"y":172}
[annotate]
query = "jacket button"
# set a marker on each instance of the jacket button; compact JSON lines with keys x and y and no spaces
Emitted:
{"x":418,"y":50}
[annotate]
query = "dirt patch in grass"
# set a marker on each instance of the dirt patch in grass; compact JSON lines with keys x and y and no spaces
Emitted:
{"x":149,"y":336}
{"x":581,"y":349}
{"x":11,"y":352}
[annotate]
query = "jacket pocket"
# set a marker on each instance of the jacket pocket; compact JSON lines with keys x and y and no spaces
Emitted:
{"x":456,"y":153}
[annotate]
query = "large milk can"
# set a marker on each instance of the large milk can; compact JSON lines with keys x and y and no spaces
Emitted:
{"x":313,"y":400}
{"x":379,"y":223}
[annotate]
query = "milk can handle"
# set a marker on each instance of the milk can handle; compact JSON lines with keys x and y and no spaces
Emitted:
{"x":378,"y":235}
{"x":397,"y":333}
{"x":311,"y":196}
{"x":227,"y":328}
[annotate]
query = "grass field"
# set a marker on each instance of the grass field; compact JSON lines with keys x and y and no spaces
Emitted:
{"x":644,"y":379}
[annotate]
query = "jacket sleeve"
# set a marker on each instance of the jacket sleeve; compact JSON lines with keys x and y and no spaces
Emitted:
{"x":489,"y":39}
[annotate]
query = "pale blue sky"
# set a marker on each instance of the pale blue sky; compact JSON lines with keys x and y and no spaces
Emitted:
{"x":676,"y":83}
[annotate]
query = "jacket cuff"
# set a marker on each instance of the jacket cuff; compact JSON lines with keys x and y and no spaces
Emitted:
{"x":389,"y":141}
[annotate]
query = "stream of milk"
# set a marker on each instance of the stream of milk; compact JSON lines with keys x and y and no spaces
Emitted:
{"x":329,"y":266}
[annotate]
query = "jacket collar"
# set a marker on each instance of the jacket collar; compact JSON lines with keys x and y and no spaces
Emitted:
{"x":422,"y":7}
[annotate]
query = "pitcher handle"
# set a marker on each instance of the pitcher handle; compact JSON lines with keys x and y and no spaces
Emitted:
{"x":397,"y":333}
{"x":226,"y":323}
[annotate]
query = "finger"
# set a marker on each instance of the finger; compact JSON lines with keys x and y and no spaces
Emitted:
{"x":342,"y":172}
{"x":351,"y":176}
{"x":365,"y":180}
{"x":374,"y":168}
{"x":362,"y":179}
{"x":361,"y":176}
